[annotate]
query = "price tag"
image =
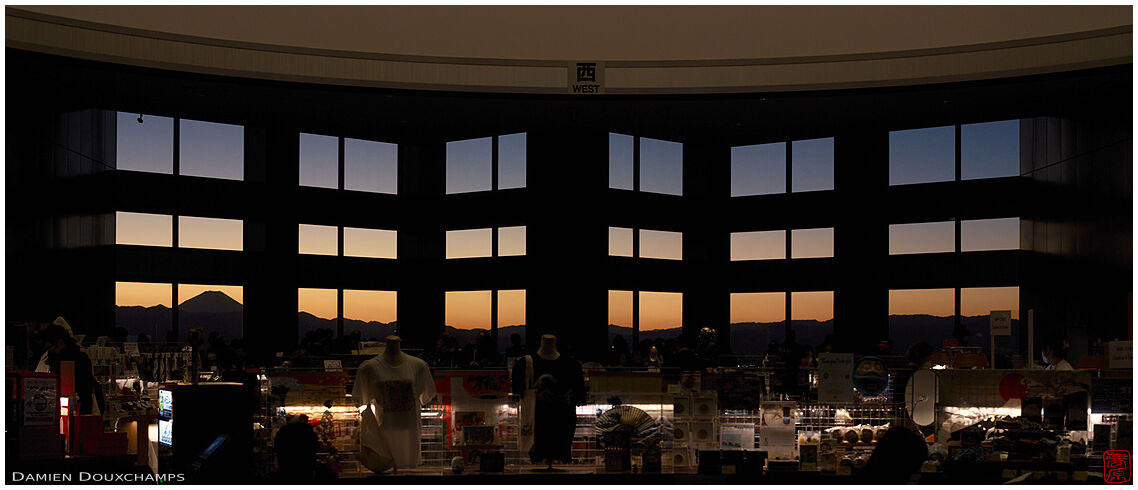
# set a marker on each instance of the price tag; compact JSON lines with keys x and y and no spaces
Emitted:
{"x":130,"y":349}
{"x":332,"y":365}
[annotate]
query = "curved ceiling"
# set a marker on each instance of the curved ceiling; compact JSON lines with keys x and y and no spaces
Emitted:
{"x":673,"y":49}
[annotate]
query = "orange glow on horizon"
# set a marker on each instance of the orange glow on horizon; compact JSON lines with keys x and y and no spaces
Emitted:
{"x":981,"y":301}
{"x":188,"y":291}
{"x":660,"y":311}
{"x":143,"y":294}
{"x":935,"y":302}
{"x":620,"y":308}
{"x":812,"y":305}
{"x":468,"y":310}
{"x":320,"y":303}
{"x":758,"y":307}
{"x":511,"y":307}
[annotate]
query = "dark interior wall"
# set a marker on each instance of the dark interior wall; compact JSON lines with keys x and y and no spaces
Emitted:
{"x":567,"y":204}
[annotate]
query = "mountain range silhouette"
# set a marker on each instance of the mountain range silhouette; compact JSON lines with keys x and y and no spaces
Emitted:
{"x":215,"y":311}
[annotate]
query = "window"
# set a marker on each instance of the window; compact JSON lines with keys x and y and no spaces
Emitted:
{"x":511,"y":241}
{"x":812,"y":316}
{"x":462,"y":244}
{"x":922,"y":155}
{"x":146,"y":146}
{"x":470,"y":163}
{"x":758,"y":245}
{"x":316,"y":309}
{"x":211,"y":308}
{"x":989,"y":234}
{"x":621,"y":166}
{"x":318,"y":240}
{"x":811,"y":243}
{"x":371,"y":243}
{"x":512,"y":161}
{"x":812,"y":165}
{"x":371,"y":166}
{"x":209,"y":149}
{"x":620,"y":242}
{"x":919,"y":238}
{"x":620,"y":314}
{"x":512,"y":308}
{"x":468,"y":310}
{"x":758,"y":169}
{"x":667,"y":245}
{"x":660,"y":313}
{"x":143,"y":308}
{"x":319,"y":161}
{"x":757,"y":319}
{"x":154,"y":230}
{"x":210,"y":233}
{"x":920,"y":315}
{"x":660,"y":164}
{"x":369,"y":307}
{"x":989,"y":150}
{"x":976,"y":306}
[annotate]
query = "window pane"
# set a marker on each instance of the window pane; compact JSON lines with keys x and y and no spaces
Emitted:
{"x":661,"y":245}
{"x":211,"y":233}
{"x":461,"y":244}
{"x":989,"y":234}
{"x":212,"y":150}
{"x":143,"y":308}
{"x":212,"y":308}
{"x":365,"y":242}
{"x":917,"y":315}
{"x":920,"y":238}
{"x":812,"y":165}
{"x":620,"y":161}
{"x":809,"y":243}
{"x":318,"y":240}
{"x":812,"y":315}
{"x":756,"y":320}
{"x":661,"y":166}
{"x":369,"y":306}
{"x":922,"y":155}
{"x":371,"y":166}
{"x":989,"y":150}
{"x":146,"y":146}
{"x":154,"y":230}
{"x":511,"y":241}
{"x":661,"y":311}
{"x":512,"y":161}
{"x":320,"y":303}
{"x":758,"y":245}
{"x":620,"y":242}
{"x":468,"y":310}
{"x":758,"y":169}
{"x":511,"y":308}
{"x":469,"y":165}
{"x":319,"y":161}
{"x":976,"y":306}
{"x":620,"y":308}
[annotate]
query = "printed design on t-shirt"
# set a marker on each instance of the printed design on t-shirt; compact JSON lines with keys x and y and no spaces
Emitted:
{"x":399,"y":397}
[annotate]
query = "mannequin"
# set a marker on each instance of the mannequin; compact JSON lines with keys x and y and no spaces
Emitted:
{"x":551,"y":385}
{"x":389,"y":390}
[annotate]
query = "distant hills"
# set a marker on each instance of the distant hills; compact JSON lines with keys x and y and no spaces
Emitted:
{"x":216,"y":311}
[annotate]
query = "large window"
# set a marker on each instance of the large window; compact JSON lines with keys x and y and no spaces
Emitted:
{"x":762,"y":169}
{"x":371,"y":243}
{"x":922,"y":155}
{"x":211,"y":308}
{"x":918,"y":238}
{"x":648,"y":244}
{"x":318,"y":240}
{"x":646,"y":164}
{"x":812,"y":316}
{"x":471,"y":164}
{"x":917,"y":315}
{"x":758,"y":245}
{"x":210,"y":233}
{"x":644,"y":315}
{"x":511,"y":241}
{"x":371,"y":313}
{"x":208,"y":149}
{"x":371,"y":166}
{"x":989,"y":150}
{"x":757,"y":319}
{"x":989,"y":234}
{"x":144,"y":143}
{"x":464,"y":244}
{"x":154,"y":230}
{"x":812,"y":243}
{"x":144,"y":310}
{"x":319,"y":161}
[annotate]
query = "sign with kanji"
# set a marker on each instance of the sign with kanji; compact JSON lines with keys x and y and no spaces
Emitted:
{"x":586,"y":77}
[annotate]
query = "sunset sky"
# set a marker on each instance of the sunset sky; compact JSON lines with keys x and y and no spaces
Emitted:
{"x":916,"y":155}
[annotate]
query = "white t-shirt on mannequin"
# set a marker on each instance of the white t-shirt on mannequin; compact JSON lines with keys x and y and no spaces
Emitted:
{"x":394,"y":395}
